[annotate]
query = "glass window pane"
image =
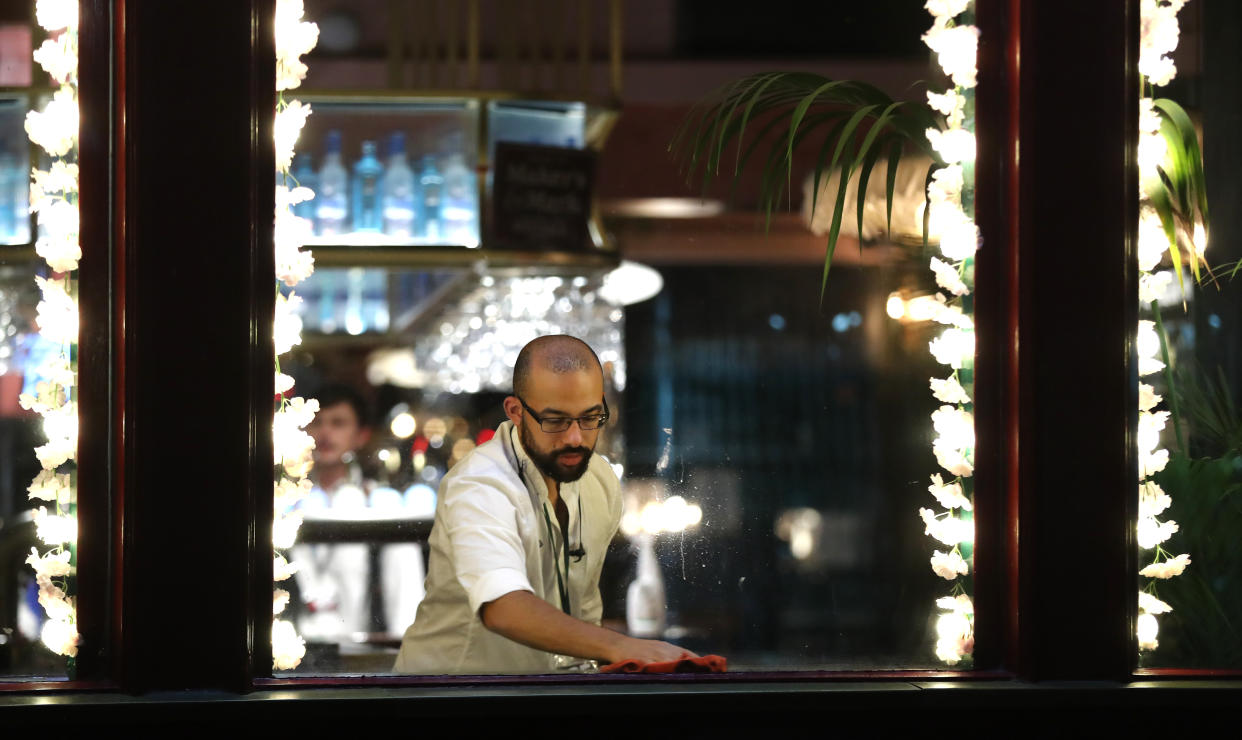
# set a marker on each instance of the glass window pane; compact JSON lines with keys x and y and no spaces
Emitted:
{"x":1190,"y":432}
{"x":793,"y":492}
{"x":38,"y":363}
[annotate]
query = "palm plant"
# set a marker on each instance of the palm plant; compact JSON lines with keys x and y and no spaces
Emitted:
{"x":862,"y":124}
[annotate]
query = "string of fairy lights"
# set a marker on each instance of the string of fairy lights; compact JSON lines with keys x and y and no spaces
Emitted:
{"x":54,"y":200}
{"x":292,"y":445}
{"x":950,"y":200}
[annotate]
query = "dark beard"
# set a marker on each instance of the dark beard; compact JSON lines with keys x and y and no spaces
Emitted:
{"x":548,"y":465}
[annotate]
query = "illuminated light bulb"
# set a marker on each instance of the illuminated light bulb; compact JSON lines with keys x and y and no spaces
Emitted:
{"x":695,"y":514}
{"x":55,"y":529}
{"x":60,"y":637}
{"x":953,"y":146}
{"x":1152,"y":150}
{"x":954,"y":347}
{"x":403,"y":425}
{"x":285,"y":530}
{"x":895,"y":307}
{"x":1152,"y":241}
{"x":1148,"y":341}
{"x":959,"y":236}
{"x":62,"y":423}
{"x":1147,"y":628}
{"x":952,"y":625}
{"x":288,"y":647}
{"x":1149,"y":428}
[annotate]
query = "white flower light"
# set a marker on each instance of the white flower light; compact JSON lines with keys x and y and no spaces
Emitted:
{"x":57,"y":312}
{"x":956,"y":49}
{"x":1167,"y":568}
{"x":293,"y":39}
{"x":1149,"y":426}
{"x":953,"y":145}
{"x":282,"y":569}
{"x":52,"y":565}
{"x":285,"y":530}
{"x":287,"y":332}
{"x":60,"y":636}
{"x":954,"y":347}
{"x":1148,"y":346}
{"x":288,"y":648}
{"x":948,"y":278}
{"x":1152,"y":241}
{"x":280,"y":599}
{"x":1152,"y":605}
{"x":53,"y":15}
{"x":1152,"y":499}
{"x":1147,"y":628}
{"x":289,"y":124}
{"x":950,"y":496}
{"x":949,"y":529}
{"x":59,"y":57}
{"x":1151,"y":463}
{"x":55,"y":128}
{"x":1154,"y":285}
{"x":1152,"y":532}
{"x":55,"y":529}
{"x":49,"y":486}
{"x":949,"y":565}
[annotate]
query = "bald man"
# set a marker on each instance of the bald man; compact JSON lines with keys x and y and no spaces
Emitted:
{"x":522,"y":525}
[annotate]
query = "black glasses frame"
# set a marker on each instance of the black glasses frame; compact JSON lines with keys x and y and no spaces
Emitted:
{"x":595,"y":421}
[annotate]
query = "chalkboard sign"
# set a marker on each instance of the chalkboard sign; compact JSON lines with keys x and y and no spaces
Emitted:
{"x":541,"y":198}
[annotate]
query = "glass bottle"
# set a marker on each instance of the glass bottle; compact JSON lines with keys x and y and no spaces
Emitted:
{"x":368,"y":173}
{"x":431,"y":182}
{"x":399,"y":191}
{"x":332,"y":199}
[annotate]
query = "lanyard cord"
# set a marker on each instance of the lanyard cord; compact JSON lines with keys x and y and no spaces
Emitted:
{"x":561,"y":584}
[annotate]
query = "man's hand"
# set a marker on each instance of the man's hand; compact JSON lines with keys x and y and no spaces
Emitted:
{"x":648,"y":651}
{"x":523,"y":617}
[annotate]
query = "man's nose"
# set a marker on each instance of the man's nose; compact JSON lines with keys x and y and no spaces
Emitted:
{"x":573,"y":435}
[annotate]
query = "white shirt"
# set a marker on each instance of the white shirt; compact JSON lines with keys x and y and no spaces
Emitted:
{"x":491,"y":538}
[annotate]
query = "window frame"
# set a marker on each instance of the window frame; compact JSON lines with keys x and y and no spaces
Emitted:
{"x":1027,"y":294}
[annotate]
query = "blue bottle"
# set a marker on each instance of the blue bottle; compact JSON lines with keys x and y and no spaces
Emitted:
{"x":304,"y":176}
{"x":431,"y":182}
{"x":368,"y":191}
{"x":332,"y":199}
{"x":9,"y":175}
{"x":459,"y":210}
{"x":399,"y":191}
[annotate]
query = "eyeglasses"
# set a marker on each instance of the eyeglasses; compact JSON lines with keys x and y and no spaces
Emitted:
{"x":557,"y":424}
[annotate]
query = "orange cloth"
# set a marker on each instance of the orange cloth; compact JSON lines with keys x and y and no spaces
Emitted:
{"x":704,"y":664}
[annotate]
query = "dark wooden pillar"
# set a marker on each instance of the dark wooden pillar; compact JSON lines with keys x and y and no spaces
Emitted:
{"x":197,"y":100}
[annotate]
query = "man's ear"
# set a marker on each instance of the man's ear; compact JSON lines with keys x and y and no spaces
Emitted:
{"x":513,"y":409}
{"x":364,"y":436}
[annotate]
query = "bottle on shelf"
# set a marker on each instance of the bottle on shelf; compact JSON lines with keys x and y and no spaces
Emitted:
{"x":431,"y":182}
{"x":9,"y":182}
{"x":304,"y":176}
{"x":332,"y":199}
{"x":375,"y":299}
{"x":459,"y":209}
{"x":355,"y":323}
{"x":399,"y":191}
{"x":368,"y":173}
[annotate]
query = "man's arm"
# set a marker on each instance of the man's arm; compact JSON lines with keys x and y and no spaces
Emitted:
{"x":523,"y":617}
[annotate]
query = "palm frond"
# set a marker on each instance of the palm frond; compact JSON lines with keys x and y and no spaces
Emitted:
{"x":859,"y":120}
